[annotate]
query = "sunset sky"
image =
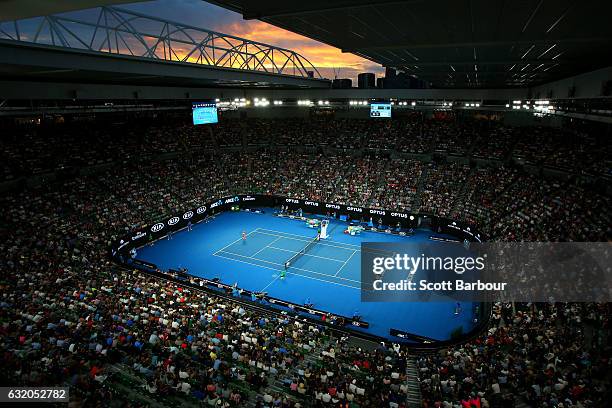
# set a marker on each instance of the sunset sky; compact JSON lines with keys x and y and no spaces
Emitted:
{"x":201,"y":14}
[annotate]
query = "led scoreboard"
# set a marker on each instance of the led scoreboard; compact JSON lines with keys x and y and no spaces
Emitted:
{"x":380,"y":110}
{"x":204,"y":112}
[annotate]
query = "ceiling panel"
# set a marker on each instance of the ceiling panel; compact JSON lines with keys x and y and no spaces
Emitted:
{"x":456,"y":43}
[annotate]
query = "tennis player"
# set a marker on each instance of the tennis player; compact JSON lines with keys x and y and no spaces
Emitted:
{"x":244,"y":235}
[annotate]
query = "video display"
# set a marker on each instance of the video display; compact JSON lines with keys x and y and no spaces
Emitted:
{"x":380,"y":110}
{"x":204,"y":113}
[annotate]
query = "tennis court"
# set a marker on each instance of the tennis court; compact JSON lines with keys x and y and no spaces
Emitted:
{"x":325,"y":260}
{"x":327,"y":273}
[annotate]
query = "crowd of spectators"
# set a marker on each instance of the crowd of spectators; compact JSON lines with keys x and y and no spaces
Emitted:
{"x":69,"y":316}
{"x":31,"y":150}
{"x":442,"y":187}
{"x":547,"y":353}
{"x":399,"y":187}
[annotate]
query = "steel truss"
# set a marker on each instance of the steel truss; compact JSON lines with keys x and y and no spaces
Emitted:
{"x":118,"y":31}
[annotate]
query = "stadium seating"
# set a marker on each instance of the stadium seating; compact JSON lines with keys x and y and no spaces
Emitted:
{"x":72,"y":317}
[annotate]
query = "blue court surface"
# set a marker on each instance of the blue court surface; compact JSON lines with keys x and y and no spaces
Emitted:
{"x":328,"y":273}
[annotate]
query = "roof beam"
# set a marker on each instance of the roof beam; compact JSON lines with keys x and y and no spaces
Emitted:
{"x":410,"y":62}
{"x":382,"y":47}
{"x":314,"y":8}
{"x":20,"y":9}
{"x":504,"y":75}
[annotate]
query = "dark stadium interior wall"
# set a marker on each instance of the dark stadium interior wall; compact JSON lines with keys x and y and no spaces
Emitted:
{"x":18,"y":89}
{"x":530,"y":119}
{"x":592,"y":84}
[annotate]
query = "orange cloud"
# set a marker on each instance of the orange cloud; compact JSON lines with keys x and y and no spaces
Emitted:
{"x":324,"y":57}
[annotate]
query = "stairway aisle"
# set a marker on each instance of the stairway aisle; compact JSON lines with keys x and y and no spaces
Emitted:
{"x":413,"y":398}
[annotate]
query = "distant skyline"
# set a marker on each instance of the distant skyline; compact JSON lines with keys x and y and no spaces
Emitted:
{"x":328,"y":60}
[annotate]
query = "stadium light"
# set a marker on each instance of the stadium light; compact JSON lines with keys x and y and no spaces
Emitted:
{"x":217,"y":100}
{"x":263,"y":102}
{"x":507,"y":105}
{"x":413,"y":103}
{"x":478,"y":105}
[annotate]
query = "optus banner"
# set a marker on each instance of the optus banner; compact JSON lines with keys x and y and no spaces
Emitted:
{"x":383,"y":220}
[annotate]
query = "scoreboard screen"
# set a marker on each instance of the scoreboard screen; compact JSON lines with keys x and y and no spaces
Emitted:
{"x":380,"y":110}
{"x":204,"y":112}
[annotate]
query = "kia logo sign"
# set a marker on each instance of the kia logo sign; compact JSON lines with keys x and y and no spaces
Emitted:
{"x":201,"y":209}
{"x":188,"y":215}
{"x":157,"y":227}
{"x":173,"y":220}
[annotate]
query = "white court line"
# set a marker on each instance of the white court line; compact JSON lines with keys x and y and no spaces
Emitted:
{"x":316,"y":256}
{"x":302,"y":236}
{"x":233,"y":242}
{"x":290,"y":273}
{"x":267,"y":246}
{"x":307,"y":240}
{"x":344,"y":264}
{"x":283,"y":265}
{"x":269,"y":284}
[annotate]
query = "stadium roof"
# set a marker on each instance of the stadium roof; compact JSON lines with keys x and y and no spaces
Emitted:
{"x":455,"y":43}
{"x":18,"y":9}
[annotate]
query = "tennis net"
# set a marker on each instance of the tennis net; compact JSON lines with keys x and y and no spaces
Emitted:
{"x":301,"y":252}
